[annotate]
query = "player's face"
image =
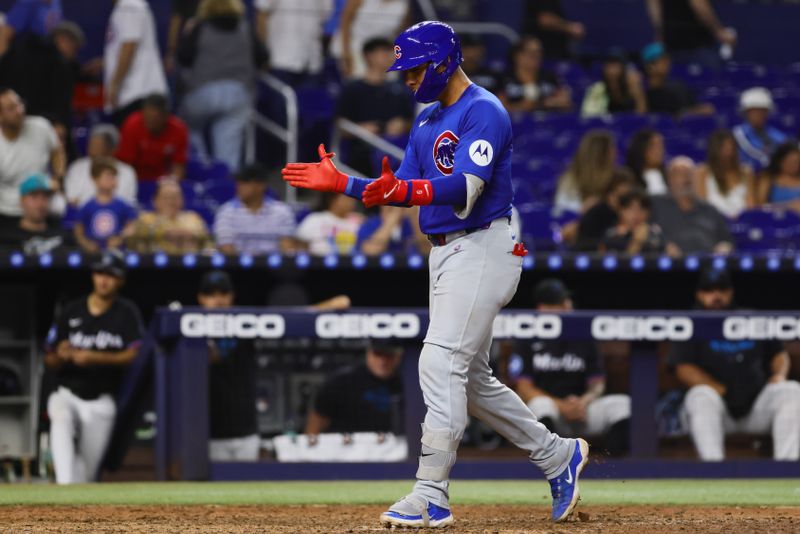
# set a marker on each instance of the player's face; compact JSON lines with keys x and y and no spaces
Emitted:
{"x":413,"y":77}
{"x":215,"y":300}
{"x":106,"y":285}
{"x":715,"y":299}
{"x":383,"y":365}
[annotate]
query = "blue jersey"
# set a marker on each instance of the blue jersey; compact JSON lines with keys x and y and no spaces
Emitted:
{"x":104,"y":221}
{"x":472,"y":136}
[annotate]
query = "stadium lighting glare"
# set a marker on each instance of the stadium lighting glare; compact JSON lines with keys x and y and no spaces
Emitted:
{"x":582,"y":262}
{"x":610,"y":263}
{"x":415,"y":261}
{"x":331,"y":261}
{"x":746,"y":263}
{"x":46,"y":260}
{"x":692,"y":263}
{"x":218,"y":260}
{"x":274,"y":260}
{"x":528,"y":262}
{"x":554,"y":262}
{"x":17,"y":259}
{"x":189,"y":260}
{"x":665,"y":263}
{"x":74,"y":259}
{"x":303,"y":260}
{"x":246,"y":260}
{"x":773,"y":263}
{"x":160,"y":260}
{"x":797,"y":263}
{"x":637,"y":263}
{"x":359,"y":261}
{"x":132,"y":260}
{"x":719,"y":263}
{"x":387,"y":261}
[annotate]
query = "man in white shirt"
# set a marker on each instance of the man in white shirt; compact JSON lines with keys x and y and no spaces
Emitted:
{"x":27,"y":145}
{"x":79,"y":187}
{"x":292,"y":32}
{"x":132,"y":60}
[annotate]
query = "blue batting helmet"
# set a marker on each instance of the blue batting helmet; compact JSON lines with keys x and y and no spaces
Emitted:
{"x":429,"y":42}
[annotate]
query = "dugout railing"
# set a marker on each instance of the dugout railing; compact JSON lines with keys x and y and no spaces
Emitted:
{"x":181,"y":369}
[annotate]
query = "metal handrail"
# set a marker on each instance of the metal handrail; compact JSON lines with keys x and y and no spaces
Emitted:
{"x":496,"y":28}
{"x":287,"y":134}
{"x":351,"y":128}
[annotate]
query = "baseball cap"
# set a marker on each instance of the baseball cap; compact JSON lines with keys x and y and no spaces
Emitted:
{"x":111,"y":262}
{"x":711,"y":279}
{"x":653,"y":52}
{"x":68,"y":27}
{"x":216,"y":282}
{"x":550,"y":291}
{"x":35,"y":182}
{"x":756,"y":98}
{"x":252,"y":173}
{"x":382,"y":346}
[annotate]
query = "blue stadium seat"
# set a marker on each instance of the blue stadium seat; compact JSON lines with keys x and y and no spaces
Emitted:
{"x":202,"y":171}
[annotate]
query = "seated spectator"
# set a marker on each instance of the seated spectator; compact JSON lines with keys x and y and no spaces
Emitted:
{"x":588,"y":174}
{"x":382,"y":106}
{"x":756,"y":139}
{"x":233,"y":428}
{"x":633,"y":234}
{"x":689,"y":224}
{"x":364,"y":398}
{"x":723,"y":181}
{"x":332,"y":230}
{"x":219,"y":78}
{"x":105,"y":221}
{"x":527,"y":87}
{"x":78,"y":185}
{"x":88,"y":347}
{"x":645,"y":158}
{"x":619,"y":91}
{"x":169,"y":228}
{"x":546,"y":20}
{"x":664,"y":94}
{"x":154,"y":142}
{"x":253,"y":223}
{"x":394,"y":230}
{"x":35,"y":233}
{"x":735,"y":386}
{"x":473,"y":50}
{"x":27,"y":145}
{"x":563,"y":382}
{"x":780,"y":182}
{"x":601,"y":217}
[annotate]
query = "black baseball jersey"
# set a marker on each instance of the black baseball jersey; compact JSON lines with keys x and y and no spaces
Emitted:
{"x":743,"y":367}
{"x":232,"y":389}
{"x":560,"y":368}
{"x":119,"y":328}
{"x":356,"y":401}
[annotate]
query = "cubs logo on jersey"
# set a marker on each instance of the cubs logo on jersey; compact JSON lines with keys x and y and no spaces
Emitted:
{"x":444,"y":152}
{"x":104,"y":224}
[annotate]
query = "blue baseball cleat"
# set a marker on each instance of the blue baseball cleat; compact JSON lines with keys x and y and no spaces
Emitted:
{"x":564,"y":487}
{"x":413,"y":511}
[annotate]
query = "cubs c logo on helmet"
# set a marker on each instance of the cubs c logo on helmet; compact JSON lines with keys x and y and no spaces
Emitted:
{"x":397,"y":52}
{"x":444,"y":152}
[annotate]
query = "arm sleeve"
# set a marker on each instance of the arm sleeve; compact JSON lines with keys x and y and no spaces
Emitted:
{"x":486,"y":134}
{"x":58,"y":332}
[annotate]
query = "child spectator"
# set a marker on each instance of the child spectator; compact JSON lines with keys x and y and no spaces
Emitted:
{"x":756,"y":139}
{"x":588,"y":174}
{"x":169,"y":228}
{"x":104,"y":221}
{"x":645,"y":158}
{"x":619,"y":91}
{"x":333,"y":230}
{"x":603,"y":216}
{"x":781,"y":182}
{"x":723,"y":181}
{"x":633,"y":234}
{"x":530,"y":88}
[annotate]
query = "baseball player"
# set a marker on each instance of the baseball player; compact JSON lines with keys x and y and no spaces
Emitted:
{"x":457,"y":168}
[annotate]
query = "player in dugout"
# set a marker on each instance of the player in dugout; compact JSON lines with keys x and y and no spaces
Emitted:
{"x":457,"y":168}
{"x":88,"y":347}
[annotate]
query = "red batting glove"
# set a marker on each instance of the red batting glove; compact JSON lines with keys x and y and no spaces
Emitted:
{"x":387,"y":189}
{"x":322,"y":176}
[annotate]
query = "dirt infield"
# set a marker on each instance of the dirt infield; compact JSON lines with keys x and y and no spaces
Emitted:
{"x":313,"y":519}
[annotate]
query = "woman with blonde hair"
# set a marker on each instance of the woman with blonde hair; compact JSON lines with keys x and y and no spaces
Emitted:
{"x":723,"y":181}
{"x":588,"y":174}
{"x":219,"y":56}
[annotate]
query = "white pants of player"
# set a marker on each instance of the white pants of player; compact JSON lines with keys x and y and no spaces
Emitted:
{"x":776,"y":409}
{"x":471,"y":279}
{"x":79,"y":434}
{"x":243,"y":449}
{"x":601,"y":414}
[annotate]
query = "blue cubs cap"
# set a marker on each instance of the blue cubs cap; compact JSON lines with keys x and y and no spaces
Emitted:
{"x":35,"y":182}
{"x":430,"y":42}
{"x":653,"y":52}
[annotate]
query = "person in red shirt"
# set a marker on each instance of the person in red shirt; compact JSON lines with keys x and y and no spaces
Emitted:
{"x":154,"y":142}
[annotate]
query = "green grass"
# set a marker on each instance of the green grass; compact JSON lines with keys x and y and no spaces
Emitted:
{"x":666,"y":492}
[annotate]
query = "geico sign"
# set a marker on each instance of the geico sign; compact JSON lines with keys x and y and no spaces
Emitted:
{"x":631,"y":328}
{"x":744,"y":328}
{"x":242,"y":325}
{"x":378,"y":325}
{"x":527,"y":326}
